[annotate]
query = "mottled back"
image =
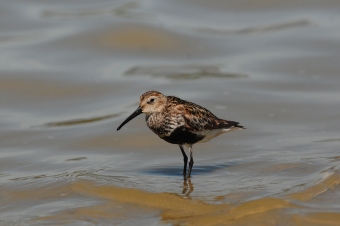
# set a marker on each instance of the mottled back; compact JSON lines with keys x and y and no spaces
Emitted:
{"x":197,"y":118}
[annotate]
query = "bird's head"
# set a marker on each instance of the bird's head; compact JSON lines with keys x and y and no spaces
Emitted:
{"x":150,"y":102}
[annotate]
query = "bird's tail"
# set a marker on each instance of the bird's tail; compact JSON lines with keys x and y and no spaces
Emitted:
{"x":233,"y":126}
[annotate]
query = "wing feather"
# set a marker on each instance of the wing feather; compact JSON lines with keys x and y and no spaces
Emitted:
{"x":198,"y":118}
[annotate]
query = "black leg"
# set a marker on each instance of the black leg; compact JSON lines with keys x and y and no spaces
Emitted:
{"x":191,"y":163}
{"x":185,"y":159}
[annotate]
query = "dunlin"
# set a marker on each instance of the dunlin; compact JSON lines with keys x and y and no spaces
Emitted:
{"x":180,"y":122}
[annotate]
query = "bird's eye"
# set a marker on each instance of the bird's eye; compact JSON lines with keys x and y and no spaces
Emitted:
{"x":152,"y":100}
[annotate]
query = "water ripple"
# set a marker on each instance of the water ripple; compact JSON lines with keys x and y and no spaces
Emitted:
{"x":257,"y":29}
{"x":183,"y":72}
{"x":198,"y":170}
{"x":73,"y":122}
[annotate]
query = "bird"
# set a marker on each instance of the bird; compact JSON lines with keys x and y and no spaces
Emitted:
{"x":180,"y":122}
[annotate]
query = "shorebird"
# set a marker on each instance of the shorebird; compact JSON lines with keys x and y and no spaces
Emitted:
{"x":180,"y":122}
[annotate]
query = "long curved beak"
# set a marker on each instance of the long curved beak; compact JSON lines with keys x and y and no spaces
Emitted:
{"x":137,"y":112}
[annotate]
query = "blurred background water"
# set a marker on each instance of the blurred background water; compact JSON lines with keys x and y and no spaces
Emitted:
{"x":72,"y":71}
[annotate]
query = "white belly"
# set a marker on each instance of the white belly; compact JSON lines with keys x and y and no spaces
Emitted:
{"x":210,"y":134}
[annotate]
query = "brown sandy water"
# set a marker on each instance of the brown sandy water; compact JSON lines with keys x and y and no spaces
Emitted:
{"x":72,"y":71}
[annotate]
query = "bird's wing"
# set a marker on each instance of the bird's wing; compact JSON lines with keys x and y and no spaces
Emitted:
{"x":196,"y":117}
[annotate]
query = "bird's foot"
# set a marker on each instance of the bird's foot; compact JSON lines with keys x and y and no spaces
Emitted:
{"x":186,"y":176}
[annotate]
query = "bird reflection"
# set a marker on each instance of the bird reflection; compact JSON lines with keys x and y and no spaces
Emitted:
{"x":188,"y":187}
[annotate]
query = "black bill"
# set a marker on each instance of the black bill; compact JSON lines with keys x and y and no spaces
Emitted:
{"x":137,"y":112}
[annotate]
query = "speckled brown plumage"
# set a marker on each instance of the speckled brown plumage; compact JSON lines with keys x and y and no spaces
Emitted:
{"x":180,"y":122}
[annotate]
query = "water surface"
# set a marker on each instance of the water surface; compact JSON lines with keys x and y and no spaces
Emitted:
{"x":72,"y":71}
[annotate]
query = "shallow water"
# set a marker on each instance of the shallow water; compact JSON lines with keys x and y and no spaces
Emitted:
{"x":72,"y":71}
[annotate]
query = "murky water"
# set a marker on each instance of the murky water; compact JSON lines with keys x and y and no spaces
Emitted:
{"x":72,"y":71}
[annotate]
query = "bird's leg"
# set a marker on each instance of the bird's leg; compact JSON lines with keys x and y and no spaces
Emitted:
{"x":185,"y":159}
{"x":188,"y":187}
{"x":191,"y":163}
